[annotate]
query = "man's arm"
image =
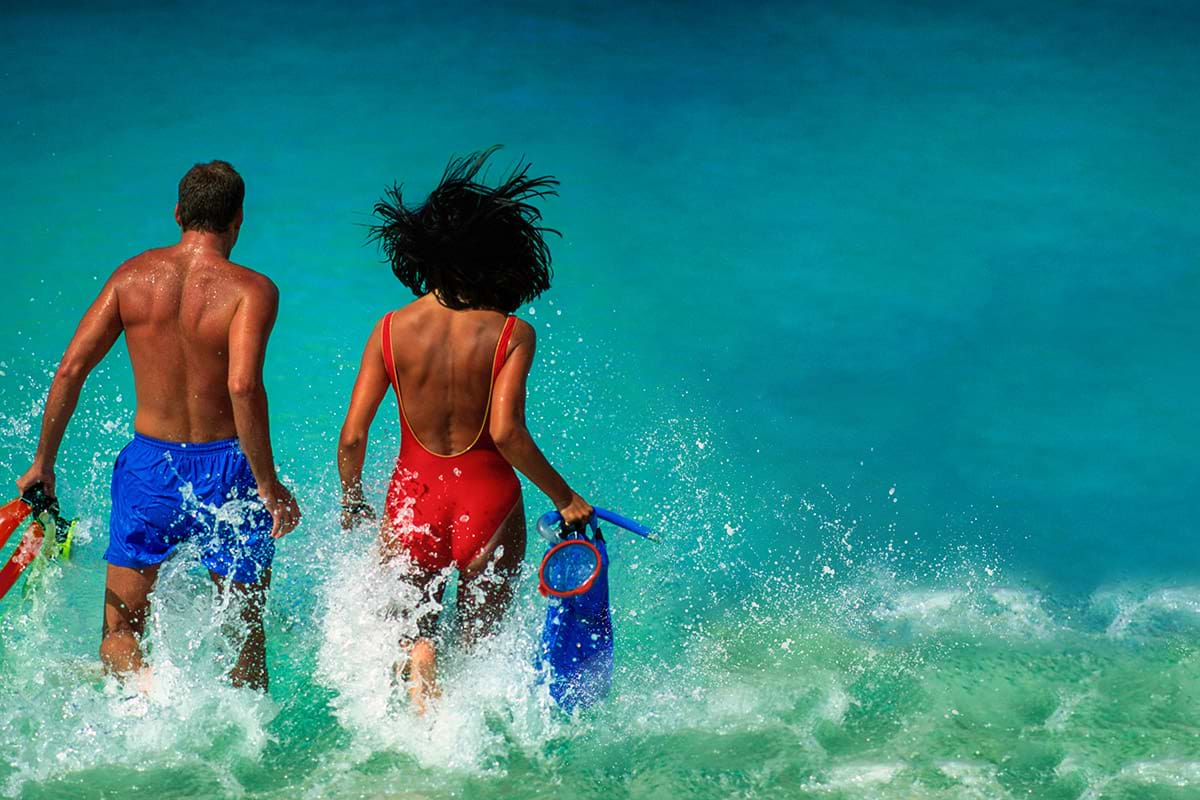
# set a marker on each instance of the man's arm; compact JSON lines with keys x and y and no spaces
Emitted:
{"x":248,"y":334}
{"x":97,"y":331}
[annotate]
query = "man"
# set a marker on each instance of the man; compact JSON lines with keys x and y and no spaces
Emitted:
{"x":200,"y":466}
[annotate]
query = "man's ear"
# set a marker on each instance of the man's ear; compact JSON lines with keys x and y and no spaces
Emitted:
{"x":178,"y":221}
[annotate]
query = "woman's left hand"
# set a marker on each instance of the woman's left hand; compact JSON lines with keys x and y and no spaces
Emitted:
{"x":355,"y":513}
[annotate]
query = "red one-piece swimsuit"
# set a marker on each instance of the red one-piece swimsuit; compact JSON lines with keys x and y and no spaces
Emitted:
{"x":444,"y":509}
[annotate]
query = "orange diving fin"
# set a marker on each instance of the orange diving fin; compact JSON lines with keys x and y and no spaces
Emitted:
{"x":11,"y":516}
{"x":21,"y":558}
{"x":46,"y":516}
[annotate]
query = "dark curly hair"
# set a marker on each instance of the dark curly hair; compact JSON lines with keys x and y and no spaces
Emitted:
{"x":472,"y":245}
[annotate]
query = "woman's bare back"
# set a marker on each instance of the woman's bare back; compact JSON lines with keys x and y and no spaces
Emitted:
{"x":444,"y":367}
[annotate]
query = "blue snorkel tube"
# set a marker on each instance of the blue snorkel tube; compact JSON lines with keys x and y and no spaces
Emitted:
{"x":577,"y":637}
{"x":549,"y":525}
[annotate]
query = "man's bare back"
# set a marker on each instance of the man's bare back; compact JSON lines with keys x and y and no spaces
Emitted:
{"x":176,"y":306}
{"x":196,"y":326}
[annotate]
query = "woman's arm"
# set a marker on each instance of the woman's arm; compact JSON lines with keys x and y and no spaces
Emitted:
{"x":512,"y":438}
{"x":369,"y":389}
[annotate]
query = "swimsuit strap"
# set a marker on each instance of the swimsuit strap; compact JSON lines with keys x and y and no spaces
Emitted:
{"x":502,"y":348}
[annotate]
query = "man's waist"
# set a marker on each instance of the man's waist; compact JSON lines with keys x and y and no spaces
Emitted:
{"x":210,"y":446}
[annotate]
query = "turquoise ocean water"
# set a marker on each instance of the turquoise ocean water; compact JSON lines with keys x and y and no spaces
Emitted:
{"x":884,"y":313}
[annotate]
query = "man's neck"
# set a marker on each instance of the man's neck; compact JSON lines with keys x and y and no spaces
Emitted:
{"x":207,"y":240}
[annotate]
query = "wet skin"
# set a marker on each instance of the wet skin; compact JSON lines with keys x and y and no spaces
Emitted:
{"x":196,"y":327}
{"x":443,"y":362}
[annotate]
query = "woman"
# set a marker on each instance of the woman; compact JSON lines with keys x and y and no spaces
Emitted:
{"x":458,"y":361}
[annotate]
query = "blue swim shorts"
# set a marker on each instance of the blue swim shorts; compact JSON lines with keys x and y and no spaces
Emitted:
{"x":166,"y":493}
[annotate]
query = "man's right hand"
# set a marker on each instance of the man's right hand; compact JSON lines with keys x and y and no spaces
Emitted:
{"x":283,"y":507}
{"x":35,"y":475}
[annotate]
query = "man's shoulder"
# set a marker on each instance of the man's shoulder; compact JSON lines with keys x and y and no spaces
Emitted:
{"x":252,"y":282}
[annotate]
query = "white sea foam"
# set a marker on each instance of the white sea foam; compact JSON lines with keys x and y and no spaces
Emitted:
{"x":926,"y":606}
{"x":1167,"y":772}
{"x":1004,"y":612}
{"x":488,"y":700}
{"x":837,"y":702}
{"x":1178,"y":773}
{"x":187,"y":706}
{"x":975,"y":781}
{"x":1169,"y":606}
{"x":858,"y":775}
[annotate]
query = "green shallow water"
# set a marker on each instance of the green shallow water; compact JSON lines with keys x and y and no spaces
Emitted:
{"x":850,"y":694}
{"x":883,"y":314}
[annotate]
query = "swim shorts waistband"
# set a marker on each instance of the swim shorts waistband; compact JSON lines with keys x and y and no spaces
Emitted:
{"x":187,"y":447}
